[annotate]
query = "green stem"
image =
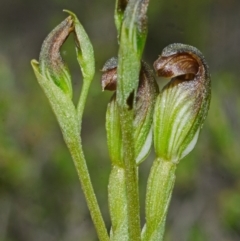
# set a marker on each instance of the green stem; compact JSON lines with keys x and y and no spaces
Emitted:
{"x":82,"y":170}
{"x":132,"y":29}
{"x":128,"y":76}
{"x":118,"y":204}
{"x":131,"y":177}
{"x":76,"y":151}
{"x":159,"y":190}
{"x":82,"y":100}
{"x":128,"y":69}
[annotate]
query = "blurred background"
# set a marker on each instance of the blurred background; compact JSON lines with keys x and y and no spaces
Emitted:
{"x":40,"y":195}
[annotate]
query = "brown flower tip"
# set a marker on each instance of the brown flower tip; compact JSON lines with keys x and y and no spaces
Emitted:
{"x":109,"y":76}
{"x":187,"y":68}
{"x":176,"y":65}
{"x":51,"y":64}
{"x":121,"y":5}
{"x":50,"y":53}
{"x":182,"y":62}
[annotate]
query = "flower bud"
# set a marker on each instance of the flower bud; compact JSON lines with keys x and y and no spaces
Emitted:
{"x":54,"y":78}
{"x":51,"y":64}
{"x":85,"y":53}
{"x":182,"y":105}
{"x":143,"y":111}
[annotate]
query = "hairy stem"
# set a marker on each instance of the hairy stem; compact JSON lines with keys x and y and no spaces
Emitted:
{"x":159,"y":190}
{"x":128,"y":71}
{"x":131,"y":177}
{"x":80,"y":164}
{"x":82,"y":101}
{"x":82,"y":170}
{"x":132,"y":41}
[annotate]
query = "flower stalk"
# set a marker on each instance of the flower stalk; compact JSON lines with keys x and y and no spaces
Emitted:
{"x":142,"y":134}
{"x":159,"y":191}
{"x":132,"y":40}
{"x":54,"y":78}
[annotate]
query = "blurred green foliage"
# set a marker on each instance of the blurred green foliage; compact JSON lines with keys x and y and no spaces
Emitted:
{"x":40,"y":195}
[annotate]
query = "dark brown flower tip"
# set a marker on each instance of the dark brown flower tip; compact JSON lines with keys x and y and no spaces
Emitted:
{"x":51,"y":64}
{"x":176,"y":65}
{"x":109,"y":76}
{"x":187,"y":68}
{"x":182,"y":61}
{"x":50,"y":52}
{"x":121,"y":5}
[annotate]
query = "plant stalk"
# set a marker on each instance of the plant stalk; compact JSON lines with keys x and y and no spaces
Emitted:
{"x":129,"y":57}
{"x":131,"y":175}
{"x":82,"y":100}
{"x":159,"y":191}
{"x":128,"y":70}
{"x":76,"y":151}
{"x":82,"y":170}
